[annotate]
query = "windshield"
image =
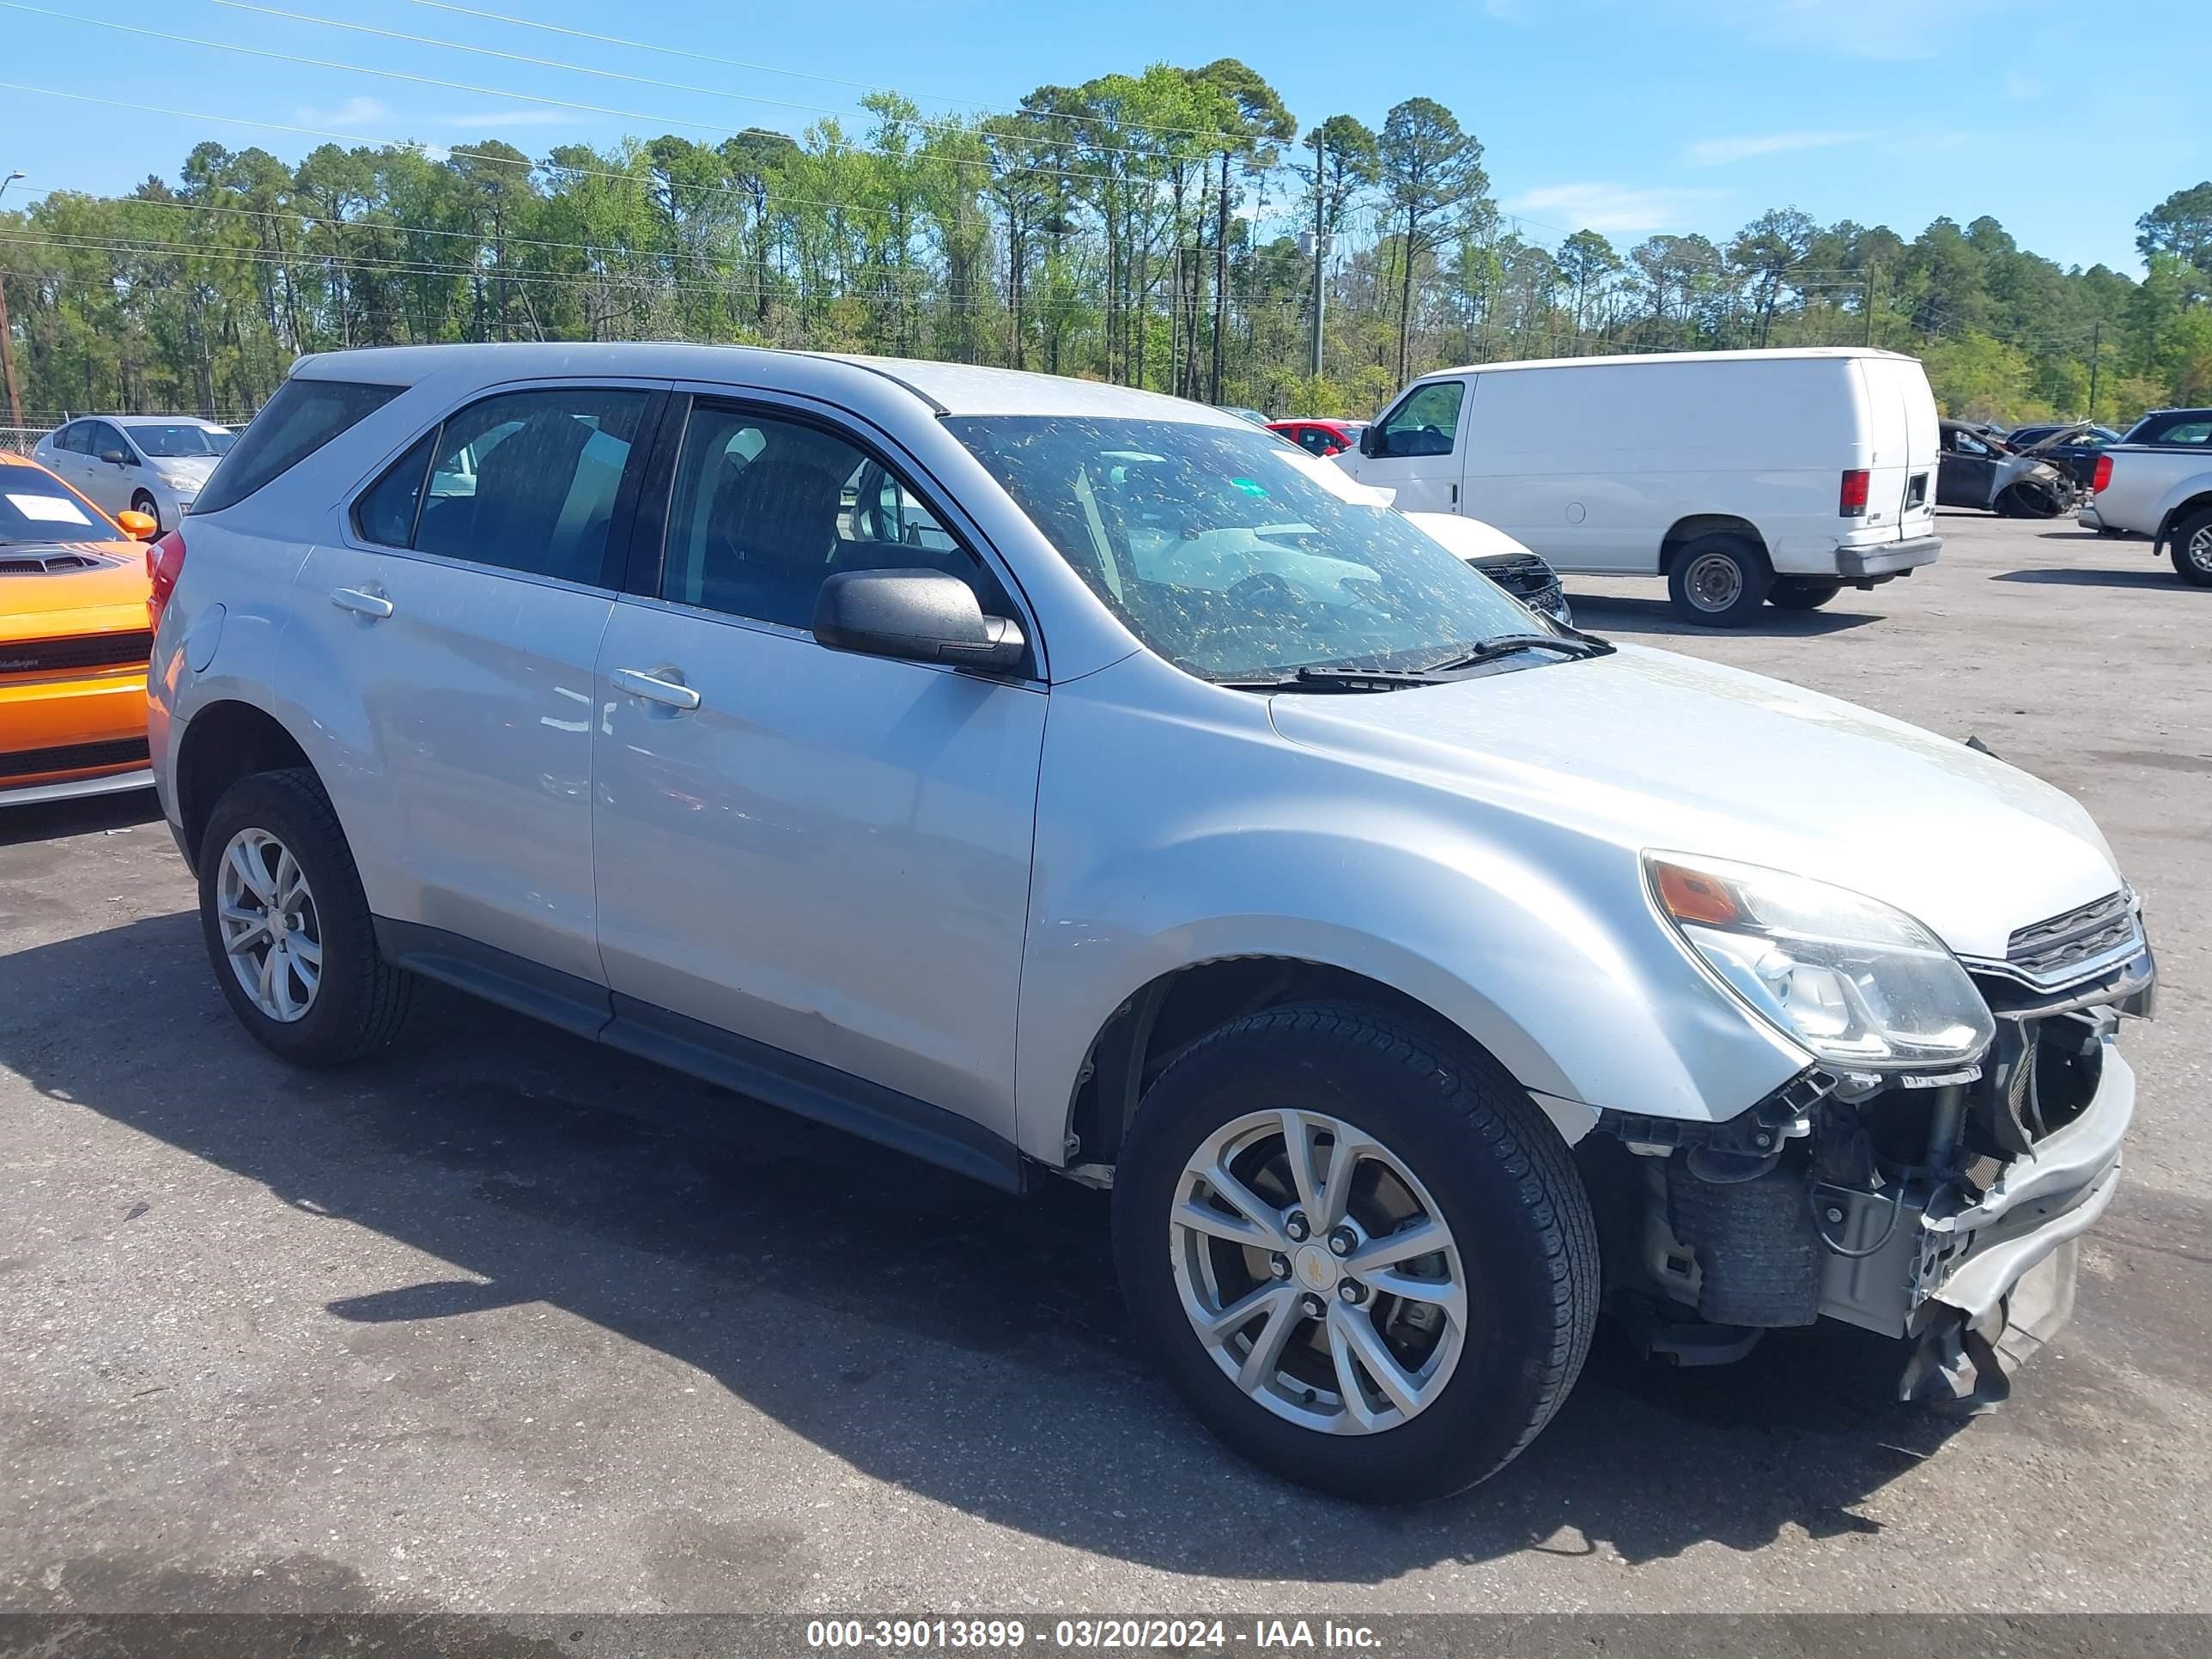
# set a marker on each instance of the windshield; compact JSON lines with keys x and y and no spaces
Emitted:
{"x":35,"y":508}
{"x":178,"y":441}
{"x":1234,"y":555}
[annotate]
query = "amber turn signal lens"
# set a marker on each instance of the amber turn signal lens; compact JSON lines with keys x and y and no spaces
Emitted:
{"x":1693,"y":896}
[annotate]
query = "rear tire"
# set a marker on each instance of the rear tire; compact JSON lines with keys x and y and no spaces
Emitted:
{"x":1519,"y":1243}
{"x":2190,"y":549}
{"x":276,"y":879}
{"x":1801,"y":592}
{"x":1719,"y":580}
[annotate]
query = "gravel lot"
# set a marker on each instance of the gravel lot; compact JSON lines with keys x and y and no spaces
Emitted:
{"x":507,"y":1325}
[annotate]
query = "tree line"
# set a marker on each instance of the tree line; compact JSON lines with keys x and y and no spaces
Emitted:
{"x":1166,"y":229}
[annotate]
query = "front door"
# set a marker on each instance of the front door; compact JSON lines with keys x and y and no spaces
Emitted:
{"x":1420,"y":448}
{"x":111,"y":483}
{"x":824,"y":853}
{"x":464,"y":622}
{"x":1966,"y":474}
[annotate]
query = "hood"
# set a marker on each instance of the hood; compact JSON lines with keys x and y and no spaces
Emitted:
{"x":1469,"y":538}
{"x":193,"y":467}
{"x":1648,"y":750}
{"x":49,"y":589}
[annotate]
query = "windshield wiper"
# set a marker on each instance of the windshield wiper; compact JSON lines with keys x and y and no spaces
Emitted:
{"x":1504,"y":645}
{"x":1340,"y":679}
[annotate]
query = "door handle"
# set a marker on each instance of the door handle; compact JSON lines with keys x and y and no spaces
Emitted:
{"x":656,"y":687}
{"x":374,"y":606}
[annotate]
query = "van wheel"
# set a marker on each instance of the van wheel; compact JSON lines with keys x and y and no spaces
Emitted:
{"x":1801,"y":593}
{"x":1357,"y":1250}
{"x":2192,"y":548}
{"x":1719,"y":581}
{"x":288,"y":928}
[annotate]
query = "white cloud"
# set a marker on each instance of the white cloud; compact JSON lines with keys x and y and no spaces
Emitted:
{"x":354,"y":113}
{"x":1610,"y":208}
{"x":1719,"y":152}
{"x":512,"y":118}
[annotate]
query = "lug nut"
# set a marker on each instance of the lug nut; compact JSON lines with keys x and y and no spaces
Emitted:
{"x":1280,"y":1265}
{"x":1352,"y":1291}
{"x":1312,"y":1306}
{"x":1296,"y":1225}
{"x":1343,"y":1240}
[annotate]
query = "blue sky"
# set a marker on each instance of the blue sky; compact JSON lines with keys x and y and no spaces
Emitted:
{"x":1629,"y":116}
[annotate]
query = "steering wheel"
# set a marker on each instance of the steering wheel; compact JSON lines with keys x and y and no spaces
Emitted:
{"x":1264,"y":590}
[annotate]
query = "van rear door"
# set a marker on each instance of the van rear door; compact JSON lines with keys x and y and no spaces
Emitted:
{"x":1902,"y":438}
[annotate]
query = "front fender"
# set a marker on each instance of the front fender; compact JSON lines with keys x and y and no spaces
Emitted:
{"x":1554,"y":963}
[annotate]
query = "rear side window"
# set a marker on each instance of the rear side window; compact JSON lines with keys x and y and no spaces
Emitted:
{"x":303,"y":416}
{"x":527,"y":481}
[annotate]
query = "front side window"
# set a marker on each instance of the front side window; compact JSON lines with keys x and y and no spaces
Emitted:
{"x":1233,"y":556}
{"x":302,"y":417}
{"x":764,"y":510}
{"x":106,"y":441}
{"x":1427,"y":422}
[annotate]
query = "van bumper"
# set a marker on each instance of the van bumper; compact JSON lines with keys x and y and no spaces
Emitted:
{"x":1886,"y":558}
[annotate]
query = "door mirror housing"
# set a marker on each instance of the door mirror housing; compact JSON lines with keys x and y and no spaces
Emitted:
{"x":138,"y":527}
{"x":1374,"y":441}
{"x":116,"y":457}
{"x":915,"y":615}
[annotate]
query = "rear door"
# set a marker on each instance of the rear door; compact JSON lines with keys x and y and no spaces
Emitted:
{"x":455,"y":628}
{"x":1904,"y":437}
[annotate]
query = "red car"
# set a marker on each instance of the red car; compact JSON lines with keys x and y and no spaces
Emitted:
{"x":1320,"y":437}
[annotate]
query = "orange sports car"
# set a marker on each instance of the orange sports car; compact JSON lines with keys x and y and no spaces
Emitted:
{"x":73,"y":642}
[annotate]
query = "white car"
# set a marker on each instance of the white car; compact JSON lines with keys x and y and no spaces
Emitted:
{"x":1502,"y":559}
{"x":1048,"y":778}
{"x":1743,"y":478}
{"x":154,"y":465}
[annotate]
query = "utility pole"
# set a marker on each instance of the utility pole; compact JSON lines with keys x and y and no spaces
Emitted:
{"x":2096,"y":340}
{"x":1220,"y":276}
{"x":1321,"y":245}
{"x":1866,"y":303}
{"x":8,"y":337}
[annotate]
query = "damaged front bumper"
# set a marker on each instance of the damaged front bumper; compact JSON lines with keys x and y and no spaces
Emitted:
{"x":1986,"y":1278}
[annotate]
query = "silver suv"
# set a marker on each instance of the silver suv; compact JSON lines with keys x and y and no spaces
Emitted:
{"x":1040,"y":777}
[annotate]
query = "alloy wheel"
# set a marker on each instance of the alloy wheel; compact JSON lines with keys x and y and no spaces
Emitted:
{"x":1317,"y":1271}
{"x":270,"y":931}
{"x":2200,"y":549}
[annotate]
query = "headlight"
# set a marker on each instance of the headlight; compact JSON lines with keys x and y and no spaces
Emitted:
{"x":1855,"y":981}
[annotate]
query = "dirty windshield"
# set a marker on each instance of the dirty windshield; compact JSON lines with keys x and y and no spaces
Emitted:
{"x":1234,"y":555}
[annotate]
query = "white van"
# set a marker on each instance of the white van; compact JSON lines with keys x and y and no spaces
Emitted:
{"x":1742,"y":476}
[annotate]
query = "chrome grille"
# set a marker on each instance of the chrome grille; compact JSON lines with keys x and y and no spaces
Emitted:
{"x":2047,"y":951}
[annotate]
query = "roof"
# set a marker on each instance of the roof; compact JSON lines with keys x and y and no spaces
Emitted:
{"x":948,"y":388}
{"x":1771,"y":354}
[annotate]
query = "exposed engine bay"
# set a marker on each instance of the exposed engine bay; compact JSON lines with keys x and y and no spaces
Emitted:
{"x":1940,"y":1208}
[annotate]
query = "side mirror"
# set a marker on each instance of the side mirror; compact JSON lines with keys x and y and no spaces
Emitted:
{"x":116,"y":457}
{"x":138,"y":527}
{"x":1374,"y":441}
{"x":915,"y":615}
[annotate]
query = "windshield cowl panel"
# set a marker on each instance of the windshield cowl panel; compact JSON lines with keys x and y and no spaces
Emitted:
{"x":1226,"y":553}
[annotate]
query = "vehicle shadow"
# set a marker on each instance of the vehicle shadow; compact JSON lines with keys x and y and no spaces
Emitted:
{"x":1594,"y":610}
{"x":47,"y":819}
{"x":965,"y":1345}
{"x":2061,"y":576}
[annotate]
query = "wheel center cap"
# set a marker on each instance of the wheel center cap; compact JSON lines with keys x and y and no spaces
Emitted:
{"x":1315,"y":1268}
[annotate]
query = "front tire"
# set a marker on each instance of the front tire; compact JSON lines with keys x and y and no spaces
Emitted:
{"x":2191,"y":549}
{"x":1719,"y":581}
{"x":288,"y":927}
{"x":1403,"y":1233}
{"x":1801,"y":592}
